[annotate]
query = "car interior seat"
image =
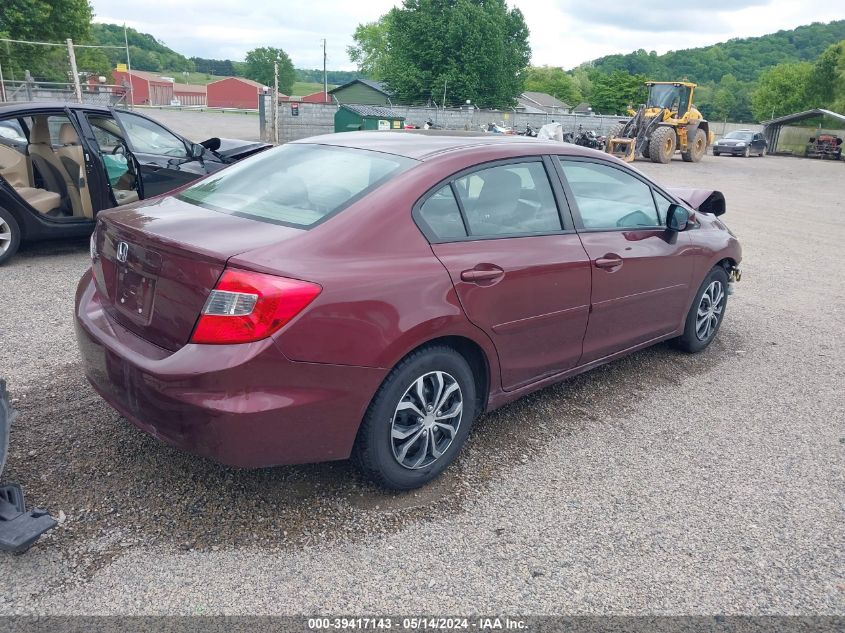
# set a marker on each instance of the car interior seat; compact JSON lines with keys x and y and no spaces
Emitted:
{"x":14,"y":169}
{"x":45,"y":161}
{"x":72,"y":157}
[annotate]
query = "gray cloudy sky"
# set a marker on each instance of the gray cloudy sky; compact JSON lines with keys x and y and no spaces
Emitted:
{"x":563,"y":32}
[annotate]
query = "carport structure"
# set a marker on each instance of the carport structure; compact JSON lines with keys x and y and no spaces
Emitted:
{"x":772,"y":129}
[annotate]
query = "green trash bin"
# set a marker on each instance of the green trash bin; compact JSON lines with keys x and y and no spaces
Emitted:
{"x":350,"y":118}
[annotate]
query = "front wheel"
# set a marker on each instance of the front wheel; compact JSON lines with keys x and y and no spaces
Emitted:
{"x":706,"y":313}
{"x":661,"y":145}
{"x":10,"y":236}
{"x":746,"y":153}
{"x":418,"y":420}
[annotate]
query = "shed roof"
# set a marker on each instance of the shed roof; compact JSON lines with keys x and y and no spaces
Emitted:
{"x":807,"y":114}
{"x":193,"y":88}
{"x":372,"y":111}
{"x":241,"y":79}
{"x":543,"y":100}
{"x":375,"y":85}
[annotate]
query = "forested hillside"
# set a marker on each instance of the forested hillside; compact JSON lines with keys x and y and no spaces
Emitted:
{"x":744,"y":58}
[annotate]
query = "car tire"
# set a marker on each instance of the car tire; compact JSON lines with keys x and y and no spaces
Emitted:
{"x":747,"y":152}
{"x":10,"y":236}
{"x":716,"y":153}
{"x":700,"y":329}
{"x":398,"y":448}
{"x":662,"y":144}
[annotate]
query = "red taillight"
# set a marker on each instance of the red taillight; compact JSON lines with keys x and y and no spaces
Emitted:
{"x":246,"y":306}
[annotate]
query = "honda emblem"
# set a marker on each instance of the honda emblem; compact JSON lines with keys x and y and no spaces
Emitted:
{"x":122,"y":252}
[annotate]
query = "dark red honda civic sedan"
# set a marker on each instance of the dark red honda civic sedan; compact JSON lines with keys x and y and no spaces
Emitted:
{"x":373,"y":293}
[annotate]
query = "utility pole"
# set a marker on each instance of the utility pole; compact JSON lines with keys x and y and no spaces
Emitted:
{"x":77,"y":89}
{"x":276,"y":102}
{"x":325,"y":75}
{"x":2,"y":86}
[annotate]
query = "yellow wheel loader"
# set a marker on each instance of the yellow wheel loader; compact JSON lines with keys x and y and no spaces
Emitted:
{"x":667,"y":123}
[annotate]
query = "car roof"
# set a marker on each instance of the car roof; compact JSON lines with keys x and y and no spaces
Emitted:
{"x":24,"y":107}
{"x":424,"y":144}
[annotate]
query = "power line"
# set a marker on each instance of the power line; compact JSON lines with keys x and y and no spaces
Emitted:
{"x":4,"y":39}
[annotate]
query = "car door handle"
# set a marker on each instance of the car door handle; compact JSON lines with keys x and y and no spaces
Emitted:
{"x":609,"y":261}
{"x":484,"y":274}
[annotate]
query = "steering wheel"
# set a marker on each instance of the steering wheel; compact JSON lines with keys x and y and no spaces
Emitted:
{"x":119,"y":149}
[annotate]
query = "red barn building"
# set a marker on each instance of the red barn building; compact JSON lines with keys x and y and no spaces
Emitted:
{"x":153,"y":89}
{"x":234,"y":92}
{"x":190,"y":94}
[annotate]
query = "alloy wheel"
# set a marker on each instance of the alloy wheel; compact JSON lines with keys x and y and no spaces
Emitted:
{"x":710,"y":309}
{"x":5,"y":236}
{"x":426,"y":420}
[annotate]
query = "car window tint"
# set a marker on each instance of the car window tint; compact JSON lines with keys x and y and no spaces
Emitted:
{"x":296,"y":184}
{"x":442,"y":215}
{"x":509,"y":200}
{"x":146,"y":137}
{"x":608,"y":197}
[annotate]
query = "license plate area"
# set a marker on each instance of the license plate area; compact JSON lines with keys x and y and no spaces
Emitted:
{"x":134,"y":295}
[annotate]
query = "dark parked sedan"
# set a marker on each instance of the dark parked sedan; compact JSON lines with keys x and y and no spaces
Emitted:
{"x":373,"y":293}
{"x":61,"y":164}
{"x":741,"y":143}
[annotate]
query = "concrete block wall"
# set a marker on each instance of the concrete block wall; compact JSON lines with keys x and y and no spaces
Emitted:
{"x":318,"y":118}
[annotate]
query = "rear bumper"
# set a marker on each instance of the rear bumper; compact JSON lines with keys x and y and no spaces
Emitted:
{"x":240,"y":405}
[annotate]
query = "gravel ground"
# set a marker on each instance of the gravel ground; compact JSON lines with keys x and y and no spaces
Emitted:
{"x":198,"y":125}
{"x":661,"y":484}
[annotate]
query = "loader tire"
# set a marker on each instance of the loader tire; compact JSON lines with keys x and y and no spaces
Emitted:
{"x":614,"y":133}
{"x":697,"y":148}
{"x":661,"y":145}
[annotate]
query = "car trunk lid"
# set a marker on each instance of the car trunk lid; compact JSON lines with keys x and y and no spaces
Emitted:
{"x":157,"y":263}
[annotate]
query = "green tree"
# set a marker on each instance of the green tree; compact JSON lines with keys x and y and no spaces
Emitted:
{"x":612,"y":94}
{"x":41,"y":21}
{"x":370,"y":52}
{"x":782,"y":90}
{"x":827,"y":79}
{"x":553,"y":81}
{"x":476,"y":50}
{"x":259,"y":67}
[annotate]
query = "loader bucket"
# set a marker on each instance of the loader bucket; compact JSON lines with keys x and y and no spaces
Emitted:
{"x":624,"y":148}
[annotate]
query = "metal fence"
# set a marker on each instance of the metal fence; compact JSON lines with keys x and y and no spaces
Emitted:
{"x":31,"y":90}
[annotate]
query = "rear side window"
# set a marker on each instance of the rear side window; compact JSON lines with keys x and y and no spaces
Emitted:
{"x":442,"y":215}
{"x":297,"y":185}
{"x":609,"y":198}
{"x":509,"y":200}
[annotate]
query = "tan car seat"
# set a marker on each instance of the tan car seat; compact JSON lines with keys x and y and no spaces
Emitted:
{"x":14,"y":169}
{"x":72,"y":157}
{"x":49,"y":166}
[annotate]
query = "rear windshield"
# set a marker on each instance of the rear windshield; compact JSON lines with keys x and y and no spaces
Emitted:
{"x":296,"y":185}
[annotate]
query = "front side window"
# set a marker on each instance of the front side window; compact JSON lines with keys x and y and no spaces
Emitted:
{"x":146,"y":137}
{"x":296,"y":184}
{"x":609,"y":198}
{"x":509,"y":200}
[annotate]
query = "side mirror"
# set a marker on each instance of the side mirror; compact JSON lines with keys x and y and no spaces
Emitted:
{"x":677,"y":218}
{"x":197,"y":151}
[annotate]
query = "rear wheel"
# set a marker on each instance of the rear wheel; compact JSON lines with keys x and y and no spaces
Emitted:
{"x":10,"y":236}
{"x":661,"y":145}
{"x":706,"y":313}
{"x":418,"y":420}
{"x":697,"y":148}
